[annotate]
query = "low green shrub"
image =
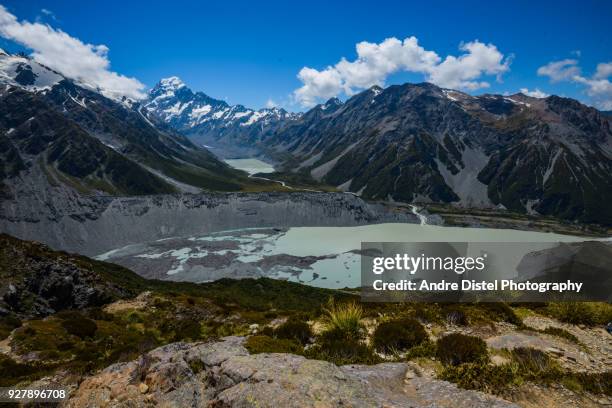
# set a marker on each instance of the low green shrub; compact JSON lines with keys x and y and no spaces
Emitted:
{"x":426,"y":349}
{"x":267,"y":331}
{"x":97,"y":313}
{"x":342,"y":352}
{"x":398,"y":335}
{"x":7,"y":325}
{"x":456,"y":348}
{"x":14,"y":372}
{"x":196,"y":365}
{"x":266,"y":344}
{"x":187,"y":329}
{"x":482,"y":376}
{"x":69,"y":314}
{"x":294,"y":330}
{"x":428,"y":312}
{"x":80,"y":326}
{"x":65,"y":345}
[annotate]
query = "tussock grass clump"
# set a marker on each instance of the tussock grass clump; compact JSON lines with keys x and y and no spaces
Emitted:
{"x":527,"y":364}
{"x":455,"y":349}
{"x":343,"y":319}
{"x":456,"y":317}
{"x":266,"y":344}
{"x":596,"y":383}
{"x":502,"y":312}
{"x":341,"y":342}
{"x":587,"y":313}
{"x":482,"y":376}
{"x":556,"y":331}
{"x":532,"y":361}
{"x":294,"y":329}
{"x":398,"y":335}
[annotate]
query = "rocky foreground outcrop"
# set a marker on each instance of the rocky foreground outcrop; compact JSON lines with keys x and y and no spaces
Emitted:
{"x":224,"y":374}
{"x":36,"y":281}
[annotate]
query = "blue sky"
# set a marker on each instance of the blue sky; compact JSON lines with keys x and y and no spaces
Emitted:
{"x":252,"y":52}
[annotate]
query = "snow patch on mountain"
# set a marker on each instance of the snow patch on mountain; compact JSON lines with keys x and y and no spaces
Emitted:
{"x":174,"y":103}
{"x":25,"y":73}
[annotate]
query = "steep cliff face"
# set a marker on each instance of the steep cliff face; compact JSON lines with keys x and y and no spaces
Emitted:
{"x":92,"y":225}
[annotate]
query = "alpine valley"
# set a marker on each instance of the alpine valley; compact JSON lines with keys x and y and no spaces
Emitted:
{"x":180,"y":251}
{"x":421,"y":143}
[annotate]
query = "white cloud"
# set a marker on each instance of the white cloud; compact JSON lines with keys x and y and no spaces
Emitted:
{"x":48,"y":13}
{"x":604,"y":70}
{"x":375,"y":62}
{"x":271,"y":104}
{"x":560,"y":70}
{"x":318,"y":84}
{"x":85,"y":63}
{"x":462,"y":72}
{"x":536,"y":93}
{"x":598,"y":86}
{"x":600,"y":90}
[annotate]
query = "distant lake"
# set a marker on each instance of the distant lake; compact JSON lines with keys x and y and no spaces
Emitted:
{"x":251,"y":166}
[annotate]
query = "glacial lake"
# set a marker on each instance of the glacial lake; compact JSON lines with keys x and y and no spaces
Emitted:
{"x":251,"y":166}
{"x":320,"y":256}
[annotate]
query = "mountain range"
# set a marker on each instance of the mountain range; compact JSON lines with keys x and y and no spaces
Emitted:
{"x":422,"y":143}
{"x":59,"y":136}
{"x":410,"y":143}
{"x":231,"y":129}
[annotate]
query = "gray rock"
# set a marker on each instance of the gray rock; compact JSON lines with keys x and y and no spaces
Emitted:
{"x":224,"y":374}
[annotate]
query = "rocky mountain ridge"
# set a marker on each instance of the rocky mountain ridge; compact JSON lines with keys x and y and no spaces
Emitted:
{"x":422,"y":143}
{"x":230,"y":130}
{"x":58,"y":135}
{"x":549,"y":156}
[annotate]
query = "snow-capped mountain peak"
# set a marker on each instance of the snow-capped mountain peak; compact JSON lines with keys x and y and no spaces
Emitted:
{"x":26,"y":73}
{"x":196,"y":113}
{"x":173,"y":82}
